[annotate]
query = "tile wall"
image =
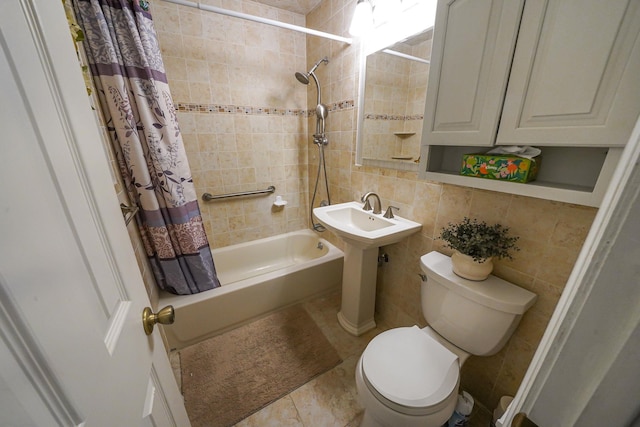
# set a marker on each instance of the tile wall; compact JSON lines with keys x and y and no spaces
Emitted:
{"x":551,"y":233}
{"x":242,"y":113}
{"x":395,"y":89}
{"x":237,"y":73}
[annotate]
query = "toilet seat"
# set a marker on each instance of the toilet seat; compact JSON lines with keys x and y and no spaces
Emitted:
{"x":410,"y":371}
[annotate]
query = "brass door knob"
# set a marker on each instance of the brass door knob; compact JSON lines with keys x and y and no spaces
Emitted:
{"x":166,"y":316}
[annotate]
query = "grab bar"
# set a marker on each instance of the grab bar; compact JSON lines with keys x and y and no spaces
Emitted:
{"x":208,"y":197}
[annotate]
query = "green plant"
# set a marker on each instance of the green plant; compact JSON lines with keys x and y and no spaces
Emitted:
{"x":479,"y":240}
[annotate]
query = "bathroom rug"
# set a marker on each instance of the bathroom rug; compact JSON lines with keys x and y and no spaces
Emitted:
{"x":230,"y":376}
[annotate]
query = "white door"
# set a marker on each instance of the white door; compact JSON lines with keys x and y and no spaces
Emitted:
{"x":72,"y":347}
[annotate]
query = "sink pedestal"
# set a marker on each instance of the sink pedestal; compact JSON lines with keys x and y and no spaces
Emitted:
{"x":363,"y":233}
{"x":358,"y":289}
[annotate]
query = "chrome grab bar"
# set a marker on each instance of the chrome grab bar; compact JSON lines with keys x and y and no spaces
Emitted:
{"x":208,"y":197}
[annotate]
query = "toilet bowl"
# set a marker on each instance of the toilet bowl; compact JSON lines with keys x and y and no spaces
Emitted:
{"x":410,"y":376}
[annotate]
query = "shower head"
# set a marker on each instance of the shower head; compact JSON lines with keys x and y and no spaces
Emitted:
{"x":304,"y":77}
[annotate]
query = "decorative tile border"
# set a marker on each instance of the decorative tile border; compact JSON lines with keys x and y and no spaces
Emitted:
{"x":371,"y":116}
{"x":247,"y":110}
{"x":343,"y":105}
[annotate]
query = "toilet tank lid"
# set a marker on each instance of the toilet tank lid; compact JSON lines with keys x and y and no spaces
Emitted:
{"x":493,"y":292}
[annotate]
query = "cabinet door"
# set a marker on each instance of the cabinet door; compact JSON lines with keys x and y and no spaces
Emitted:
{"x":473,"y":47}
{"x":575,"y":77}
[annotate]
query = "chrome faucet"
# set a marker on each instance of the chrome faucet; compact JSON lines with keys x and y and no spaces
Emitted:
{"x":377,"y":206}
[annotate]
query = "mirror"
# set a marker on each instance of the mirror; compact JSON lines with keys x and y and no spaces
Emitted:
{"x":391,"y":103}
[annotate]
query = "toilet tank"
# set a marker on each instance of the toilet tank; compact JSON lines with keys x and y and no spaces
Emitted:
{"x":478,"y":317}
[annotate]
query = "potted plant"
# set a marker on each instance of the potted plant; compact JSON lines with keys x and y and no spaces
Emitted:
{"x":476,"y":244}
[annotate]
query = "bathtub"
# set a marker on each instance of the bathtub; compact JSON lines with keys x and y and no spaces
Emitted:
{"x":257,"y":277}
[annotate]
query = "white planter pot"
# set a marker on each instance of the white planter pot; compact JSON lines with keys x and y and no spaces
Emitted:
{"x":465,"y":267}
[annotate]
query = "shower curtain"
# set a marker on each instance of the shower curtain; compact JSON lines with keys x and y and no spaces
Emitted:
{"x":124,"y":58}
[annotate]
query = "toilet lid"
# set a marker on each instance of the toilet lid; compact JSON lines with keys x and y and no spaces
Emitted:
{"x":407,"y":366}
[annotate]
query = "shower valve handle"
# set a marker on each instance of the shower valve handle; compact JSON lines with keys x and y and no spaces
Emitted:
{"x":166,"y":316}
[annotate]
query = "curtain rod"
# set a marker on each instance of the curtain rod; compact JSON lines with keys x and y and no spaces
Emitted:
{"x":259,"y":19}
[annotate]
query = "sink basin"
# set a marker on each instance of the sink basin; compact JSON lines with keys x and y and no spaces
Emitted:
{"x":363,"y":228}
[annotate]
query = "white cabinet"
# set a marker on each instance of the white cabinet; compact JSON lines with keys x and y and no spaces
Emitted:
{"x":575,"y":78}
{"x":563,"y":75}
{"x":471,"y":56}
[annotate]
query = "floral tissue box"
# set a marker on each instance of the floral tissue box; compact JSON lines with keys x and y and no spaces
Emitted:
{"x":502,"y":167}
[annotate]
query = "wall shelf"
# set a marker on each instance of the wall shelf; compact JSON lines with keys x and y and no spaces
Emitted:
{"x":404,"y":134}
{"x":577,"y":175}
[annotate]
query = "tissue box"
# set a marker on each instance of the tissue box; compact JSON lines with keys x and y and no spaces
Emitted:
{"x":502,"y":167}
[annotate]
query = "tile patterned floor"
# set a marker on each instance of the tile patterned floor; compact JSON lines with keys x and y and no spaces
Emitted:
{"x":328,"y":400}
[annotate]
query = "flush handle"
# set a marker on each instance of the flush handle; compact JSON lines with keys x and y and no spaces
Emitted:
{"x":166,"y":316}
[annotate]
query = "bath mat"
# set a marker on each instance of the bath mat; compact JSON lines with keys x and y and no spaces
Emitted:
{"x":228,"y":377}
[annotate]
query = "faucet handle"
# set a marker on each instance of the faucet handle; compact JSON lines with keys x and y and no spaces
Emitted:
{"x":389,"y":212}
{"x":367,"y":206}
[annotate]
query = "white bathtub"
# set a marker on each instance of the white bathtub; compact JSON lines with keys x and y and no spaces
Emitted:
{"x":257,"y":277}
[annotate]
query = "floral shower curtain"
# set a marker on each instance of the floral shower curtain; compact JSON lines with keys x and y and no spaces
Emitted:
{"x":124,"y":58}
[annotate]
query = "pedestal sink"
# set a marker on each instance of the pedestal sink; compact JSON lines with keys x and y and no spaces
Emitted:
{"x":363,"y":232}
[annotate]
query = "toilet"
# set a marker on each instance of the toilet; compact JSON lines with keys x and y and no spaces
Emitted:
{"x":410,"y":376}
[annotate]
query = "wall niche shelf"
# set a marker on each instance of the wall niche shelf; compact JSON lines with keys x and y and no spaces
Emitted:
{"x":578,"y":175}
{"x":404,"y":134}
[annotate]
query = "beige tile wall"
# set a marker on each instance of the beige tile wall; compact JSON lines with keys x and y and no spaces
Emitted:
{"x":387,"y":88}
{"x":251,"y":132}
{"x":551,"y":233}
{"x":214,"y":60}
{"x":395,"y":95}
